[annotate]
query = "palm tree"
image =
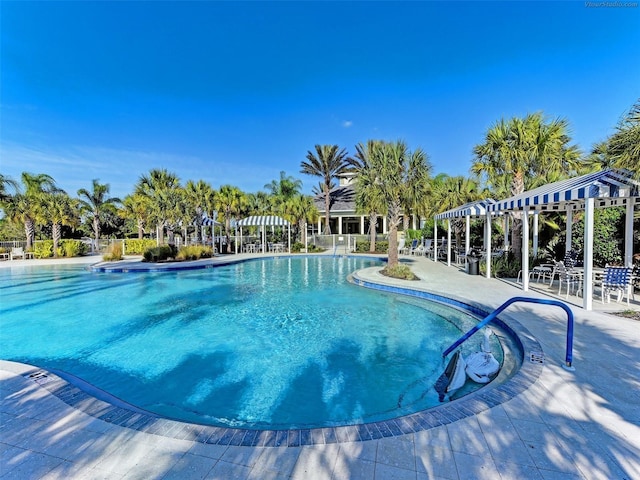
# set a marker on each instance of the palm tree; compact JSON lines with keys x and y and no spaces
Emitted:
{"x":96,"y":203}
{"x":59,"y":209}
{"x":200,"y":199}
{"x":161,"y":188}
{"x":285,"y":188}
{"x":299,"y":210}
{"x":399,"y":171}
{"x":26,"y":204}
{"x":328,"y":162}
{"x":6,"y":181}
{"x":622,"y":149}
{"x":523,"y":150}
{"x":231,"y":201}
{"x":451,"y":192}
{"x":259,"y":203}
{"x":136,"y":207}
{"x":369,"y":198}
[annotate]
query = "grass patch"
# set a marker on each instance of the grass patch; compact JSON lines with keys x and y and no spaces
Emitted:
{"x":401,"y":272}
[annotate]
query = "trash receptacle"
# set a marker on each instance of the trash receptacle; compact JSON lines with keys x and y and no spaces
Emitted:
{"x":473,"y":266}
{"x":473,"y":259}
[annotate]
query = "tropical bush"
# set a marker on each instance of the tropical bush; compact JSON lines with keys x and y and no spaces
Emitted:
{"x":362,"y":246}
{"x":159,"y":254}
{"x":194,"y":252}
{"x":114,"y":252}
{"x":43,"y":249}
{"x":400,"y":271}
{"x":138,"y":246}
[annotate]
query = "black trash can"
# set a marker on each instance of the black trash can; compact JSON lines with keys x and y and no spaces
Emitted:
{"x":473,"y":260}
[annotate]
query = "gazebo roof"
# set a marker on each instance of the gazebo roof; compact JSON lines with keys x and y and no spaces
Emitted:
{"x":609,"y":188}
{"x":262,"y":220}
{"x":472,"y":209}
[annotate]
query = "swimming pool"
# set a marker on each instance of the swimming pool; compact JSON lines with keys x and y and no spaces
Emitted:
{"x":274,"y":343}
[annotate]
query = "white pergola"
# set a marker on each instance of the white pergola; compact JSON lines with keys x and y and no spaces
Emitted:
{"x":474,"y":209}
{"x":606,"y":188}
{"x":263,"y":221}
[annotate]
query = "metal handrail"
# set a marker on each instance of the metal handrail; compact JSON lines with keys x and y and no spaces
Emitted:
{"x":497,"y":311}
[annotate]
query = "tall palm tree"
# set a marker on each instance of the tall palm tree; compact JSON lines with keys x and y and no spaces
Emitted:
{"x":523,"y":149}
{"x":328,"y":162}
{"x":398,"y":171}
{"x":368,"y":198}
{"x":97,"y":203}
{"x":58,"y":209}
{"x":161,"y":188}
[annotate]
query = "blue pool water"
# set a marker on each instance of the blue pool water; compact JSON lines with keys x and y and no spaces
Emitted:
{"x":274,"y":343}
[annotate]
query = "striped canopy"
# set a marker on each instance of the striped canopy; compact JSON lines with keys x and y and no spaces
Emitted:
{"x":608,"y":187}
{"x":208,"y":222}
{"x":473,"y":209}
{"x":263,"y":220}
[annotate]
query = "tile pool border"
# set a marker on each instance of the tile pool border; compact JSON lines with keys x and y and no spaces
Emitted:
{"x":491,"y":395}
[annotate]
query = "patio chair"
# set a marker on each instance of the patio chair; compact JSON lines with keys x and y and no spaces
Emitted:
{"x":416,"y":248}
{"x":616,"y":279}
{"x":428,"y":247}
{"x":401,"y":244}
{"x":568,"y":278}
{"x":18,"y":252}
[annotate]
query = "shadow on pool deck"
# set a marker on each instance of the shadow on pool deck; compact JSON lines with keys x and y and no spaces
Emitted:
{"x":582,"y":424}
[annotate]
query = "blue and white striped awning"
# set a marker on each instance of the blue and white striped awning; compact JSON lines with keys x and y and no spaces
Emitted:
{"x":608,"y":188}
{"x":208,"y":222}
{"x":263,"y":220}
{"x":472,"y":209}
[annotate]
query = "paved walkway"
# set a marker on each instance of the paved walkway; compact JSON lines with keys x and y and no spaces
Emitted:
{"x":567,"y":425}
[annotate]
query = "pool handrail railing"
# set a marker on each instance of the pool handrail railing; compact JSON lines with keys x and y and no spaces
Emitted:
{"x":497,"y":311}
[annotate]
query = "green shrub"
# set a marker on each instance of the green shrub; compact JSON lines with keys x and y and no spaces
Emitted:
{"x":43,"y":249}
{"x":73,"y":248}
{"x":114,"y":252}
{"x":362,"y":246}
{"x":138,"y":246}
{"x":297,"y":247}
{"x":400,"y":271}
{"x":159,"y":254}
{"x":194,"y":252}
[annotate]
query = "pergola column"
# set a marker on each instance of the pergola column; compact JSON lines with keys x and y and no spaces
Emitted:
{"x":569,"y":226}
{"x":339,"y":225}
{"x":587,"y":291}
{"x":487,"y":241}
{"x":362,"y":232}
{"x":628,"y":234}
{"x":448,"y":242}
{"x":467,"y":236}
{"x":525,"y":250}
{"x":435,"y":240}
{"x":384,"y":225}
{"x":535,"y":233}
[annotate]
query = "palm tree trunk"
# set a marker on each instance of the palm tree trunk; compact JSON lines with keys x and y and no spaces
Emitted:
{"x":96,"y":228}
{"x":517,"y":187}
{"x":56,"y":233}
{"x":30,"y":232}
{"x":140,"y":230}
{"x":395,"y":210}
{"x":373,"y":218}
{"x":327,"y":226}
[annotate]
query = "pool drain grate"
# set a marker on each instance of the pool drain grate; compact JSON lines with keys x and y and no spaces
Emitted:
{"x":40,"y":377}
{"x":536,"y":357}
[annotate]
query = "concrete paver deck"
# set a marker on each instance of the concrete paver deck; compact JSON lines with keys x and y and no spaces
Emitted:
{"x":567,"y":425}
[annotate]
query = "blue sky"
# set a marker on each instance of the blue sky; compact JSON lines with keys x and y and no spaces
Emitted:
{"x":235,"y":92}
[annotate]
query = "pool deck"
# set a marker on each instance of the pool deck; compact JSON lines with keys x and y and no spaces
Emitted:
{"x":582,"y":424}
